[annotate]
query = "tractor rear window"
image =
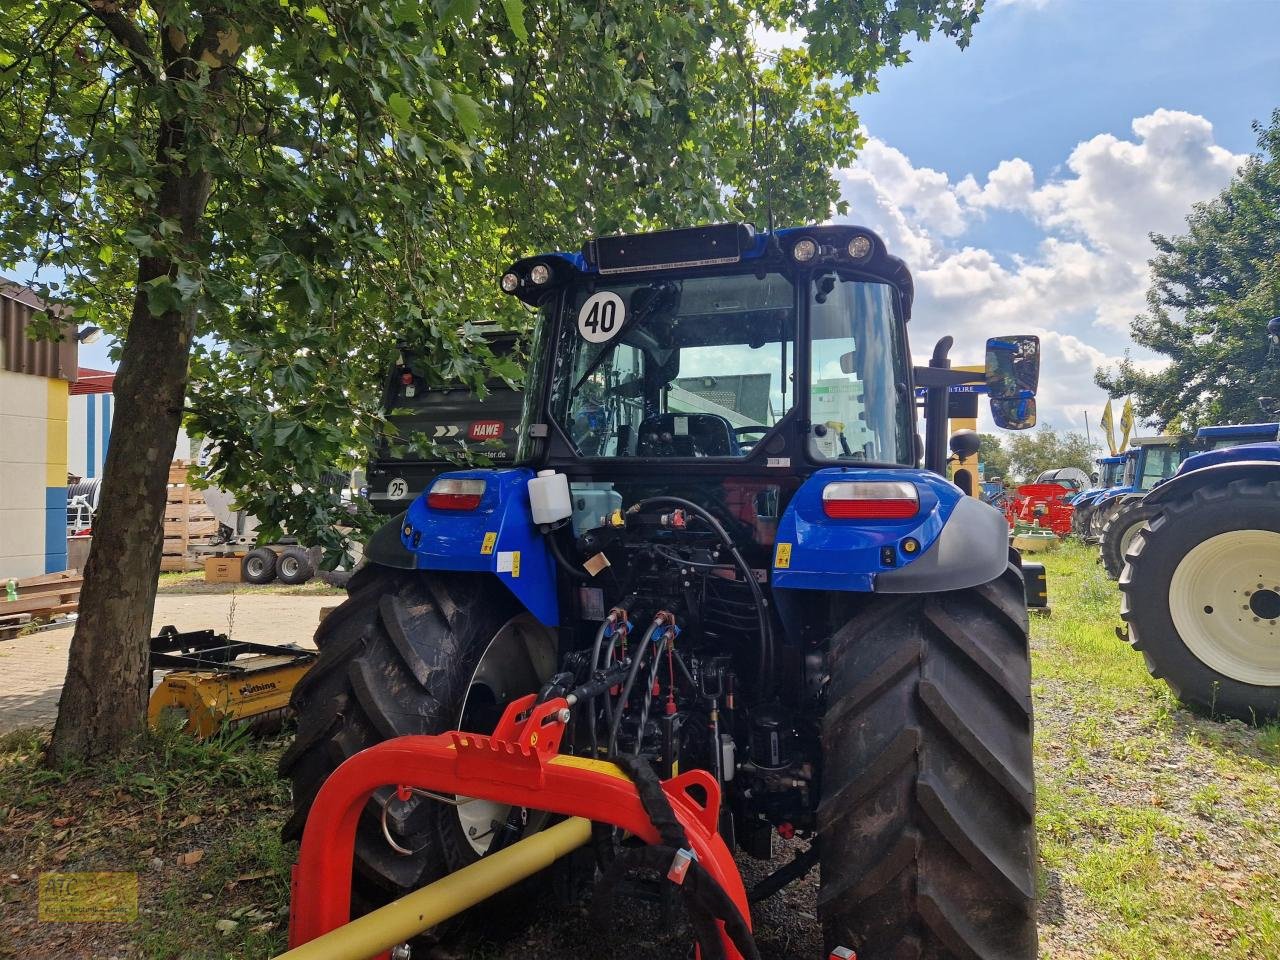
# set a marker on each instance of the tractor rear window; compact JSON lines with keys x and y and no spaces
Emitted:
{"x":692,"y":367}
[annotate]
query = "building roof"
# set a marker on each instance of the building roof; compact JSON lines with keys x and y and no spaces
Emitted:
{"x":20,"y":354}
{"x":93,"y":381}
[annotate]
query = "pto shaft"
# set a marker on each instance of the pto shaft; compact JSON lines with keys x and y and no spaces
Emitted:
{"x":449,"y":896}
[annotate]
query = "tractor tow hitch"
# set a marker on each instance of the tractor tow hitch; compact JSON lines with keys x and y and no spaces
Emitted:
{"x":518,"y":764}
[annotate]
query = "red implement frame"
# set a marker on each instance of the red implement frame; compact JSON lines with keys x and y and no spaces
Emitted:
{"x":1042,"y":504}
{"x":518,"y":764}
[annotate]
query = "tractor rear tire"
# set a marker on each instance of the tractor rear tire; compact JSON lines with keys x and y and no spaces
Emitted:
{"x":1201,"y":595}
{"x":399,"y":657}
{"x":1118,"y":534}
{"x":926,"y":823}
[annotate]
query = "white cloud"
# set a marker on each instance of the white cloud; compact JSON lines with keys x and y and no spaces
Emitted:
{"x":1086,"y":277}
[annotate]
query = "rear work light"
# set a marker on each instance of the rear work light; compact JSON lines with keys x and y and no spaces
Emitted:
{"x":871,"y":500}
{"x":446,"y":494}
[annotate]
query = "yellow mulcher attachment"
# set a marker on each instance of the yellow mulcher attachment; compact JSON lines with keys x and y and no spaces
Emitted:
{"x":215,"y":681}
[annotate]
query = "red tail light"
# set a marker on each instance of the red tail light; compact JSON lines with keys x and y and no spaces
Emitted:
{"x":871,"y":500}
{"x":447,"y":494}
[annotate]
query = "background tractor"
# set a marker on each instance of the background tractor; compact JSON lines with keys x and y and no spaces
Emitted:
{"x":1133,"y":511}
{"x":1200,"y":589}
{"x":1110,"y":471}
{"x":718,"y":533}
{"x":1149,"y":461}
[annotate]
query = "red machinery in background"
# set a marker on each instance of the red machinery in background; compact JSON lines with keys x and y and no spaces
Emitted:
{"x":1042,"y":505}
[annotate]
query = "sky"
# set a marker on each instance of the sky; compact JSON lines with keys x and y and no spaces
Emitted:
{"x":1020,"y":178}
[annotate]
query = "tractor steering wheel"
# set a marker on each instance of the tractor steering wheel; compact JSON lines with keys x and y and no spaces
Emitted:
{"x":746,"y":446}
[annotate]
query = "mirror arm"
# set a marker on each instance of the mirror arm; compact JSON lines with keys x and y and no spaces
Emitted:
{"x":945,"y":377}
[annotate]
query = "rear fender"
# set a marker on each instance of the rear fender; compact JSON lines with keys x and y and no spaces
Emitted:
{"x":1183,"y":485}
{"x":962,"y":541}
{"x":498,"y":537}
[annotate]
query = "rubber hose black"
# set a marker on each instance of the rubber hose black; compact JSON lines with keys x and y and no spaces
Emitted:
{"x":626,"y":688}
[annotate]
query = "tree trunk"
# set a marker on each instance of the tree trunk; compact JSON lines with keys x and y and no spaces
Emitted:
{"x":104,"y":697}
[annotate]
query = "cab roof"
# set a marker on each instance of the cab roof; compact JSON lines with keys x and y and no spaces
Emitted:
{"x":711,"y":244}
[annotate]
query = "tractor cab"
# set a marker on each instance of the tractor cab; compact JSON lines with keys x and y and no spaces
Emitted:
{"x":727,"y":366}
{"x":1234,"y":434}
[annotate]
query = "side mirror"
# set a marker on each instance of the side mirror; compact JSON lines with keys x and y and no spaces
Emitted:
{"x":1014,"y":413}
{"x":1273,"y":330}
{"x":965,"y":443}
{"x":1013,"y":366}
{"x":848,"y":362}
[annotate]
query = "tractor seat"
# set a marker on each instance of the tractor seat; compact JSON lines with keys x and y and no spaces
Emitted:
{"x":686,"y":435}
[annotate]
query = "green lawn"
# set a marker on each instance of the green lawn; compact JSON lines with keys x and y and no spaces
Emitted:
{"x":1159,"y":829}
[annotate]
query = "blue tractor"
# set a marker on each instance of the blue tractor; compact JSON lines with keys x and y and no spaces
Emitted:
{"x":1200,"y":590}
{"x":1110,"y":472}
{"x":1132,"y":512}
{"x":718,"y":535}
{"x":1149,"y":461}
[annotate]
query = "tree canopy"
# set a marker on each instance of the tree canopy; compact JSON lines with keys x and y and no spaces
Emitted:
{"x":374,"y":166}
{"x":1024,"y":455}
{"x":1213,"y":290}
{"x":261,"y":198}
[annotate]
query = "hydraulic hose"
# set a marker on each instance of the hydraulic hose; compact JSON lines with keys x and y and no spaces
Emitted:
{"x":648,"y":694}
{"x":576,"y":573}
{"x":764,"y":673}
{"x":626,"y":687}
{"x":591,"y":704}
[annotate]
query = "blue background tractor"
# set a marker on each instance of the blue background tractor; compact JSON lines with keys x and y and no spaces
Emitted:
{"x":1132,"y":512}
{"x":1200,"y":589}
{"x":722,"y":522}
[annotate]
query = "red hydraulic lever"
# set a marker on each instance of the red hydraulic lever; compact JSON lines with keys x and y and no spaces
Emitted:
{"x":518,"y":764}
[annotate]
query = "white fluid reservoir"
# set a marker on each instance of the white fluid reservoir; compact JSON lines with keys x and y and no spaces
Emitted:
{"x":549,"y":498}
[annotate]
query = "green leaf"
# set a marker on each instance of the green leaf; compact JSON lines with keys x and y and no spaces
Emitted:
{"x":514,"y":10}
{"x":400,"y":108}
{"x":468,"y":112}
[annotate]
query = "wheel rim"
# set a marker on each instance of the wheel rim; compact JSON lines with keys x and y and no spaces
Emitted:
{"x":1127,"y":535}
{"x":1224,"y":600}
{"x":255,"y":566}
{"x":289,"y":566}
{"x":519,"y":658}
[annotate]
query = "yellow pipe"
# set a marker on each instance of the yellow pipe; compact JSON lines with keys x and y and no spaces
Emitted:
{"x":407,"y":917}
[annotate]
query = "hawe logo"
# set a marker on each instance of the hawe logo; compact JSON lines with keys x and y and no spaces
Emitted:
{"x":487,"y":430}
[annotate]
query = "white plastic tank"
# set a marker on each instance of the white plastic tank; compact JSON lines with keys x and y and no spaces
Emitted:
{"x":549,"y":498}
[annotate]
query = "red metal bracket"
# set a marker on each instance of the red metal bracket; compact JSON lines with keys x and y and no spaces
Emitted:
{"x":517,"y":764}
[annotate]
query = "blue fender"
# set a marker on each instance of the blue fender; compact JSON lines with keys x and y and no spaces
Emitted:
{"x":961,"y":542}
{"x":498,"y":537}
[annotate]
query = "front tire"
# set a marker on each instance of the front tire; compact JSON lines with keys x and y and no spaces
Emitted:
{"x":1119,"y":533}
{"x":1201,"y":595}
{"x":406,"y":653}
{"x":926,"y":821}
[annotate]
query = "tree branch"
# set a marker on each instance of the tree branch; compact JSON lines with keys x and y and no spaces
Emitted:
{"x":127,"y":32}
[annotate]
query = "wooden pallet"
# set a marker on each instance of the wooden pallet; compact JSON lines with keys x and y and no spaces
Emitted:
{"x":40,"y":600}
{"x":187,"y":521}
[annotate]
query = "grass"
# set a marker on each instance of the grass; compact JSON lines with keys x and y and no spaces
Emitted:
{"x":197,"y":822}
{"x":1159,"y":830}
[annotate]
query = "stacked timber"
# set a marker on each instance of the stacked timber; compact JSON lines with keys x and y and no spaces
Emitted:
{"x":40,"y":600}
{"x":187,"y":521}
